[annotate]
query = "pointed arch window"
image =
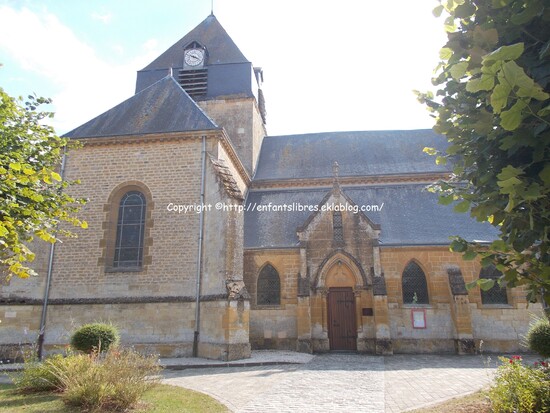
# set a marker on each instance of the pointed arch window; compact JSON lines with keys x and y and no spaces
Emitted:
{"x":130,"y":231}
{"x":269,"y":287}
{"x":415,"y":287}
{"x":337,"y":227}
{"x":497,"y":294}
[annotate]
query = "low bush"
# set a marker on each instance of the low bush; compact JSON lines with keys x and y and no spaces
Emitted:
{"x":112,"y":381}
{"x":520,"y":388}
{"x":95,"y":337}
{"x":40,"y":376}
{"x":538,"y":337}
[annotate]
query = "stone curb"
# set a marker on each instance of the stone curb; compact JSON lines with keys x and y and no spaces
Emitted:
{"x":7,"y":368}
{"x":228,"y":364}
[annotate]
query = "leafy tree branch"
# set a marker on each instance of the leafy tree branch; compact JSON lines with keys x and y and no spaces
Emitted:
{"x":493,"y":105}
{"x":33,"y":200}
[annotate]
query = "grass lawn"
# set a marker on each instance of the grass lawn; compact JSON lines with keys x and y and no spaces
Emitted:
{"x":473,"y":403}
{"x":171,"y":399}
{"x":161,"y":399}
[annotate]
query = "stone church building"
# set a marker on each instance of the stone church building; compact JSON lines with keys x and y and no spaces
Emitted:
{"x":207,"y":236}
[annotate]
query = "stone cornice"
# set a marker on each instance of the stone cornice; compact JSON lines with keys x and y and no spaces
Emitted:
{"x":272,"y":250}
{"x":421,"y":247}
{"x":149,"y":137}
{"x":349,"y":181}
{"x":442,"y":247}
{"x":111,"y":300}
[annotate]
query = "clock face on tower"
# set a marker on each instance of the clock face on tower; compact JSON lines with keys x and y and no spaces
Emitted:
{"x":194,"y":57}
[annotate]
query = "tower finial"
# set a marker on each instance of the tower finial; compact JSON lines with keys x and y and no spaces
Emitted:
{"x":335,"y":173}
{"x":211,"y":7}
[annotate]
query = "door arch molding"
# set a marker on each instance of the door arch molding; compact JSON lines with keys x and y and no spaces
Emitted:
{"x":340,"y":258}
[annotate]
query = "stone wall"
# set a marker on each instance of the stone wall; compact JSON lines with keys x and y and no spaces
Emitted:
{"x":153,"y":305}
{"x":454,"y":323}
{"x":242,"y":121}
{"x":500,"y":327}
{"x":170,"y":171}
{"x":164,"y":328}
{"x":273,"y":326}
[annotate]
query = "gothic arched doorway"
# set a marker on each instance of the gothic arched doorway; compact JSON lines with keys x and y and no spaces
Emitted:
{"x":341,"y":322}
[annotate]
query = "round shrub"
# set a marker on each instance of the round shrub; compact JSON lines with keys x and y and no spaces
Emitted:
{"x":95,"y":337}
{"x":538,"y":337}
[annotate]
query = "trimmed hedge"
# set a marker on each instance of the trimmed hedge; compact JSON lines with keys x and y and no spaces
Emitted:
{"x":95,"y":337}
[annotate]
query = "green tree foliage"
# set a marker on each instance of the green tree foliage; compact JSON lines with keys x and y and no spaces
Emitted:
{"x":493,"y":106}
{"x":32,"y":200}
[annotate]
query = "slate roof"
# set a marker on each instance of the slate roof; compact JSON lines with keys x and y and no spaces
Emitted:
{"x":357,"y":153}
{"x":210,"y":33}
{"x":408,"y":216}
{"x":161,"y":108}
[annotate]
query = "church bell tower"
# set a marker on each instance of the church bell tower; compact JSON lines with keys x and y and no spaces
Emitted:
{"x":217,"y":76}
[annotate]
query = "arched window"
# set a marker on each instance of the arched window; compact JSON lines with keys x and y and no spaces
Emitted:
{"x":415,"y":288}
{"x":337,"y":227}
{"x":269,"y":287}
{"x":130,"y":230}
{"x":497,"y":294}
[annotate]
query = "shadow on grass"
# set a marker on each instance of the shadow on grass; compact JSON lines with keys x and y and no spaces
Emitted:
{"x":159,"y":399}
{"x":10,"y":401}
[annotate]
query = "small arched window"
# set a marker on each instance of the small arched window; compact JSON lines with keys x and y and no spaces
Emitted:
{"x":269,"y":287}
{"x":130,"y":230}
{"x":497,"y":294}
{"x":415,"y":287}
{"x":337,"y":227}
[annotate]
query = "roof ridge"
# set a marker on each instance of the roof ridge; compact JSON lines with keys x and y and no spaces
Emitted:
{"x":373,"y":131}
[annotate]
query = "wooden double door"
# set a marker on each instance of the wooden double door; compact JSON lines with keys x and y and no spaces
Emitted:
{"x":342,"y":326}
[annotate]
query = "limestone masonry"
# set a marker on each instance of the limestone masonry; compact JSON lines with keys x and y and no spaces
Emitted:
{"x":206,"y":236}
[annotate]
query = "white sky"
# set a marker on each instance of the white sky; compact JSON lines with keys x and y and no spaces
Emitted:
{"x":328,"y":65}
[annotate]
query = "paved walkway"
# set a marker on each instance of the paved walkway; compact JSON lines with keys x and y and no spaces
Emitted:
{"x":414,"y":381}
{"x":274,"y":381}
{"x":341,"y":383}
